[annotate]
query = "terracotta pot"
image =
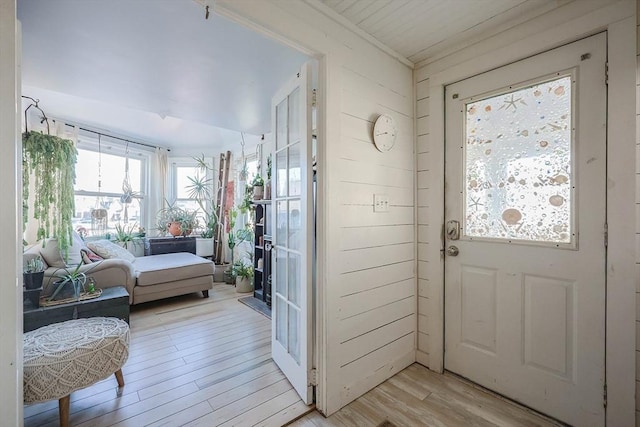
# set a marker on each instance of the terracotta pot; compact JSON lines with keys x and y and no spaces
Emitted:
{"x":174,"y":229}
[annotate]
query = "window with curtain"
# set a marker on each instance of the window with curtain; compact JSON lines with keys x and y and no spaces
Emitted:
{"x":100,"y":173}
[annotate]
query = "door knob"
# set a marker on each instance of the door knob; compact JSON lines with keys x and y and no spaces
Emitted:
{"x":453,"y":251}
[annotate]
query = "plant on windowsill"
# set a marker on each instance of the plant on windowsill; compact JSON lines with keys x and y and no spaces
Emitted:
{"x":176,"y":220}
{"x":258,"y":187}
{"x":128,"y":236}
{"x":200,"y":189}
{"x":267,"y":182}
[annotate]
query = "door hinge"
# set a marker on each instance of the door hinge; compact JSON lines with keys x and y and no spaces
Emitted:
{"x":314,"y":98}
{"x":604,"y":396}
{"x":313,"y":377}
{"x":606,"y":235}
{"x":606,"y":73}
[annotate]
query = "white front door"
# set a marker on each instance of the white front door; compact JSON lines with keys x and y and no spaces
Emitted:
{"x":292,"y":336}
{"x":525,"y":234}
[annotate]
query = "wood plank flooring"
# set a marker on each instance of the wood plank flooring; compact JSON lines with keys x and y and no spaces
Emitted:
{"x":419,"y":397}
{"x":192,"y":361}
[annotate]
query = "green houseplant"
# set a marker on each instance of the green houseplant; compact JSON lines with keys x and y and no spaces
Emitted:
{"x":128,"y":236}
{"x":176,"y":220}
{"x":244,"y":275}
{"x":69,"y":284}
{"x":200,"y":189}
{"x":267,"y":182}
{"x":32,"y":277}
{"x":50,"y":162}
{"x":258,"y":187}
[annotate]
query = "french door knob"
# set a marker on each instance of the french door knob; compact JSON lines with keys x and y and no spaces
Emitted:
{"x":453,"y":250}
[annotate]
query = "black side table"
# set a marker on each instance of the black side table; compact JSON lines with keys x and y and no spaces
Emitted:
{"x":169,"y":245}
{"x":114,"y":302}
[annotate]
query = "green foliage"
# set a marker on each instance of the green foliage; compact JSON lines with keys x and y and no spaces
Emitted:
{"x":74,"y":278}
{"x":52,"y":162}
{"x":187,"y":219}
{"x":269,"y":167}
{"x":258,"y":181}
{"x":126,"y":234}
{"x":240,"y":269}
{"x":246,"y":201}
{"x":34,"y":265}
{"x":200,"y":190}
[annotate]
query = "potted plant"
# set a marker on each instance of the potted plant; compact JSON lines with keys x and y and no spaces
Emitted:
{"x":48,"y":170}
{"x":33,"y":273}
{"x":69,"y":284}
{"x":267,"y":182}
{"x":200,"y":189}
{"x":176,"y":220}
{"x":258,"y":187}
{"x":128,"y":236}
{"x":244,"y":275}
{"x":32,"y":276}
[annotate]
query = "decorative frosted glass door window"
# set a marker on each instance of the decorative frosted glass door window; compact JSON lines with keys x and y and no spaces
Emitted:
{"x":518,"y":164}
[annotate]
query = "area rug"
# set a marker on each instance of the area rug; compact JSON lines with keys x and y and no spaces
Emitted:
{"x":256,"y":304}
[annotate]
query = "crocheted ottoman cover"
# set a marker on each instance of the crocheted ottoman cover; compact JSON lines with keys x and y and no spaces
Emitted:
{"x":63,"y":357}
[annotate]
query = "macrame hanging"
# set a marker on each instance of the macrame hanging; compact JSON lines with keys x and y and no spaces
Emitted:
{"x":99,"y":215}
{"x":243,"y":161}
{"x":127,"y":191}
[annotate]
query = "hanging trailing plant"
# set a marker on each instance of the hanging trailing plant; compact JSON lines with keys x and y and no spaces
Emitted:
{"x":50,"y":161}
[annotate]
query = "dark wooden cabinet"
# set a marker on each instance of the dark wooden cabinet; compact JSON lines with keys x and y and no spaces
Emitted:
{"x":114,"y":302}
{"x":169,"y":245}
{"x":262,"y":252}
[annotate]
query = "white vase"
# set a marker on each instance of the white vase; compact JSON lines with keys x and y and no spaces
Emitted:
{"x":204,"y":246}
{"x":244,"y":285}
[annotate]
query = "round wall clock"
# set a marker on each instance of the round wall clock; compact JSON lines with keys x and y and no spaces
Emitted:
{"x":384,"y":132}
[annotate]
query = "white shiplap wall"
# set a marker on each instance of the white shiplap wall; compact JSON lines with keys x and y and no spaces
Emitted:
{"x":367,"y":260}
{"x":422,"y":168}
{"x":569,"y":22}
{"x":637,"y":214}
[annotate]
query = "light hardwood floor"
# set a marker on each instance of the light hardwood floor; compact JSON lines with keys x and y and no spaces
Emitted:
{"x":207,"y":362}
{"x":419,"y":397}
{"x":192,"y":361}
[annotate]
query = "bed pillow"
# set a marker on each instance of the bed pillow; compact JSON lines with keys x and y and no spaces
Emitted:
{"x":89,"y":257}
{"x":108,"y":249}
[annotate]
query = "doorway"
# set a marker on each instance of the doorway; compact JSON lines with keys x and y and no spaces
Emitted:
{"x":525,"y":212}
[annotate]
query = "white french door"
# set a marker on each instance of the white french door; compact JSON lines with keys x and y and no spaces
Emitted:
{"x":292,"y":335}
{"x":525,"y":205}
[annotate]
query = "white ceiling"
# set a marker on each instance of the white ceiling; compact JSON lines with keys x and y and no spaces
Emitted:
{"x":423,"y":29}
{"x":151,"y":70}
{"x":157,"y":71}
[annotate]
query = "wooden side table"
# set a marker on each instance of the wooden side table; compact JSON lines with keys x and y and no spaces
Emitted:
{"x":114,"y":302}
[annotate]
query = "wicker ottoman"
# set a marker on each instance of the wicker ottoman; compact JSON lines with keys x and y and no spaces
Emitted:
{"x":64,"y":357}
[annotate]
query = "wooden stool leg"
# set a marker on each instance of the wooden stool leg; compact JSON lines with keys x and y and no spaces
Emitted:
{"x":63,"y":409}
{"x":120,"y":378}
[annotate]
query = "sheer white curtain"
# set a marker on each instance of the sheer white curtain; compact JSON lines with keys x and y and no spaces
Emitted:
{"x":158,"y":185}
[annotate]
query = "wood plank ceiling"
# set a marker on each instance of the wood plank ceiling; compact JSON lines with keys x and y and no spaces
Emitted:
{"x":427,"y":29}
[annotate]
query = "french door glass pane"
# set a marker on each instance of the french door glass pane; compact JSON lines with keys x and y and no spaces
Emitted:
{"x":294,"y":279}
{"x":518,"y":172}
{"x":294,"y":225}
{"x":281,"y":321}
{"x":294,"y":117}
{"x":281,"y":124}
{"x":294,"y":170}
{"x":294,"y":330}
{"x":281,"y":223}
{"x":281,"y":272}
{"x":281,"y":173}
